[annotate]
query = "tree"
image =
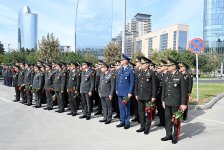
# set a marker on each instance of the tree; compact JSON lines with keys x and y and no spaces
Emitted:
{"x":70,"y":57}
{"x":10,"y":57}
{"x":90,"y":58}
{"x":2,"y":49}
{"x":135,"y":55}
{"x":112,"y":52}
{"x":48,"y":48}
{"x":32,"y":57}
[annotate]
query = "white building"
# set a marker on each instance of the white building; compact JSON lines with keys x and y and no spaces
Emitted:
{"x":174,"y":37}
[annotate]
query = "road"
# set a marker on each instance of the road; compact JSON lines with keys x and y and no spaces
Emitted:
{"x":28,"y":128}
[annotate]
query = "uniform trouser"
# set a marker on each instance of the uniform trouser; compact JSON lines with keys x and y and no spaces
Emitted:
{"x":144,"y":116}
{"x":38,"y":98}
{"x":23,"y":95}
{"x":107,"y":108}
{"x":49,"y":95}
{"x":97,"y":99}
{"x":124,"y":111}
{"x":171,"y":129}
{"x":186,"y":111}
{"x":73,"y":102}
{"x":9,"y":81}
{"x":86,"y":104}
{"x":135,"y":107}
{"x":17,"y":93}
{"x":161,"y":110}
{"x":115,"y":104}
{"x":4,"y":79}
{"x":29,"y":96}
{"x":60,"y":99}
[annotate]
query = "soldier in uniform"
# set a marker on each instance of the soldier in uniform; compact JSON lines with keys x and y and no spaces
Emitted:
{"x":86,"y":89}
{"x":145,"y":89}
{"x":38,"y":81}
{"x":59,"y":85}
{"x":21,"y":83}
{"x":106,"y":91}
{"x":48,"y":85}
{"x":114,"y":69}
{"x":15,"y":82}
{"x":125,"y":83}
{"x":174,"y":97}
{"x":73,"y":87}
{"x":184,"y":69}
{"x":97,"y":81}
{"x":160,"y":75}
{"x":28,"y":81}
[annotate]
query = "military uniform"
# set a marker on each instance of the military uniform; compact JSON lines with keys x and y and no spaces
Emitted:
{"x":145,"y":89}
{"x":174,"y":94}
{"x":189,"y":79}
{"x":59,"y":85}
{"x":22,"y":85}
{"x":87,"y":85}
{"x":96,"y":94}
{"x":38,"y":82}
{"x":73,"y":86}
{"x":28,"y":81}
{"x":15,"y":84}
{"x":106,"y":89}
{"x":125,"y":83}
{"x":161,"y":111}
{"x":48,"y":87}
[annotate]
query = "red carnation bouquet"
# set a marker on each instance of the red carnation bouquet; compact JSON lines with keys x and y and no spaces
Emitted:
{"x":176,"y":119}
{"x":49,"y":90}
{"x":71,"y":90}
{"x":177,"y":116}
{"x":21,"y":87}
{"x":149,"y":108}
{"x":125,"y":100}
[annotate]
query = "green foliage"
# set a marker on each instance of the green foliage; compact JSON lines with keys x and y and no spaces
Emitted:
{"x":32,"y":57}
{"x":135,"y":55}
{"x":10,"y":57}
{"x":112,"y":52}
{"x":49,"y":48}
{"x":71,"y":57}
{"x":90,"y":58}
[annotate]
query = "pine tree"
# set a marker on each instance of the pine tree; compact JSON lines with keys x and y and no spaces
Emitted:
{"x":49,"y":48}
{"x":112,"y":52}
{"x":2,"y":49}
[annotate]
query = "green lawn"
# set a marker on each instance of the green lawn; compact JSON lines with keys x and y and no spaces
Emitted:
{"x":206,"y":92}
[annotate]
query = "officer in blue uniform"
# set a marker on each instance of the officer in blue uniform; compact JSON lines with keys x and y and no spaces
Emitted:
{"x":125,"y":83}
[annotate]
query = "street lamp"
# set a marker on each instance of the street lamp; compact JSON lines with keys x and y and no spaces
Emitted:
{"x":76,"y":14}
{"x":124,"y":27}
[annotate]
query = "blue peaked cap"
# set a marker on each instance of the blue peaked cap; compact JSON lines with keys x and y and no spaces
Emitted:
{"x":124,"y":57}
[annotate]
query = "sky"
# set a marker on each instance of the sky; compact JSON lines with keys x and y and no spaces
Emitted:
{"x":57,"y":16}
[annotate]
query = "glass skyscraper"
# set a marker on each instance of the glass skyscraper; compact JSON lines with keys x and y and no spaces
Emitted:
{"x":213,"y":31}
{"x":27,"y":29}
{"x":94,"y":29}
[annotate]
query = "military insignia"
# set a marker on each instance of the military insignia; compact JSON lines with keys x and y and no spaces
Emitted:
{"x":126,"y":78}
{"x":185,"y":77}
{"x":147,"y":80}
{"x":175,"y":85}
{"x":64,"y":74}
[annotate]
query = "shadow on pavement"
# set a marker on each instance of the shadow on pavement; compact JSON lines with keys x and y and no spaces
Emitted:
{"x":192,"y":129}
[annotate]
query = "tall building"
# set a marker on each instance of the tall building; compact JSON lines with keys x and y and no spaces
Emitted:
{"x":213,"y":31}
{"x":27,"y":29}
{"x":94,"y":30}
{"x":139,"y":25}
{"x":174,"y":37}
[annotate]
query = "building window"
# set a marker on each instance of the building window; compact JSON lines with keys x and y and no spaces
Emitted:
{"x":175,"y":40}
{"x":150,"y":50}
{"x":139,"y":46}
{"x":163,"y":41}
{"x":182,"y":41}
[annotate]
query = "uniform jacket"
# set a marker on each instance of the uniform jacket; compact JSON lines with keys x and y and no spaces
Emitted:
{"x":106,"y":85}
{"x":74,"y":80}
{"x":59,"y":83}
{"x":175,"y":89}
{"x":15,"y":79}
{"x":87,"y":81}
{"x":125,"y":81}
{"x":38,"y":80}
{"x":28,"y":78}
{"x":21,"y":77}
{"x":145,"y":86}
{"x":49,"y":79}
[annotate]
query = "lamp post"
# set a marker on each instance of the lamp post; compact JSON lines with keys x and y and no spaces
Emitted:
{"x":124,"y":27}
{"x":76,"y":14}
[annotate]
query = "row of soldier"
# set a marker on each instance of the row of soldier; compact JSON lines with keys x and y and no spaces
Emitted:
{"x":169,"y":85}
